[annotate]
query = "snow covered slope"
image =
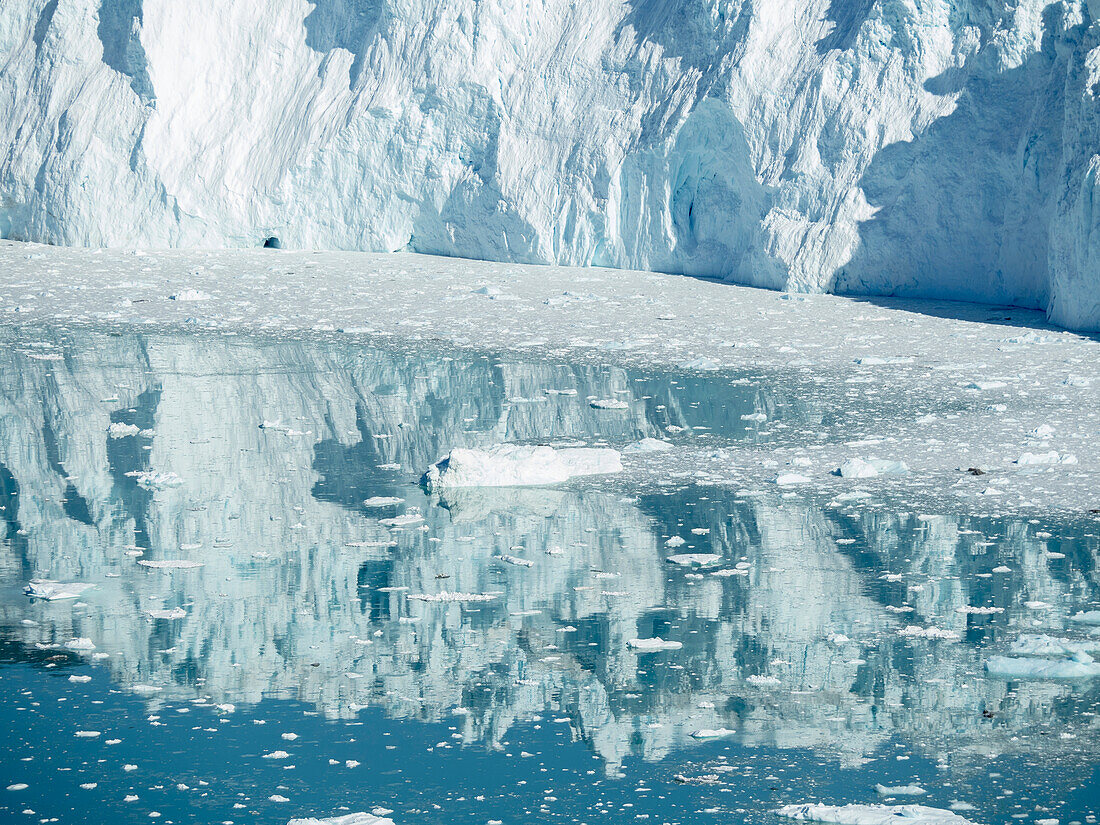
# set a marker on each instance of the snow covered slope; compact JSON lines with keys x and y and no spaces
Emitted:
{"x":942,"y":148}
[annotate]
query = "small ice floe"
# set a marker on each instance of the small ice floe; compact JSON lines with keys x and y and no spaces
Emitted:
{"x":755,"y":417}
{"x":170,"y":564}
{"x":189,"y":295}
{"x":1086,"y":617}
{"x":757,"y":680}
{"x":675,"y":541}
{"x":609,"y":404}
{"x":860,"y":468}
{"x":979,"y":611}
{"x":872,"y":814}
{"x":450,"y":596}
{"x":152,"y":480}
{"x":170,"y":613}
{"x":516,"y":560}
{"x":413,"y":516}
{"x":1039,"y":459}
{"x":694,"y":559}
{"x":345,"y":819}
{"x":653,"y":645}
{"x":82,"y":643}
{"x":787,"y":479}
{"x":513,"y":465}
{"x":80,"y":679}
{"x":277,"y":755}
{"x":647,"y":445}
{"x":712,"y":733}
{"x":900,"y":790}
{"x":1042,"y":432}
{"x":917,"y":632}
{"x":382,"y":501}
{"x":986,"y":385}
{"x":50,"y":590}
{"x":119,"y":430}
{"x":877,"y":361}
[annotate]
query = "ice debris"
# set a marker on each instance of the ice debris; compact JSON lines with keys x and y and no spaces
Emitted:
{"x":50,"y":590}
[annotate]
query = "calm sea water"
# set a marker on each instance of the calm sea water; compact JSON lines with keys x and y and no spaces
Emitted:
{"x":294,"y":672}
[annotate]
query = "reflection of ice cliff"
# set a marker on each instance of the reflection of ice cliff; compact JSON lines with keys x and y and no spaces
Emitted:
{"x":304,"y":591}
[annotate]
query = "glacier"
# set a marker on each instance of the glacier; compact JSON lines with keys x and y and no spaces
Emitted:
{"x":919,"y":148}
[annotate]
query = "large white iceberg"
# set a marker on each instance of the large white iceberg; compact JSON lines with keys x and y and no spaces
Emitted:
{"x":947,"y":151}
{"x":873,"y":814}
{"x":516,"y":465}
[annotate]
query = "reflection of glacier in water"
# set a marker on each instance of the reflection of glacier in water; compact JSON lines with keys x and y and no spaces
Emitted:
{"x":118,"y":450}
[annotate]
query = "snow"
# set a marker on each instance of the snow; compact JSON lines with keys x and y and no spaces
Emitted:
{"x":872,"y":814}
{"x":781,"y":145}
{"x":514,"y":465}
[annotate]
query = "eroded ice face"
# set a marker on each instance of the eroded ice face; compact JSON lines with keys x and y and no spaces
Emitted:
{"x":243,"y":596}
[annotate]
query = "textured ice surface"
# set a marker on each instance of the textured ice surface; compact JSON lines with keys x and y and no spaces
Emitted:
{"x":515,"y":465}
{"x":935,"y":149}
{"x":873,"y":814}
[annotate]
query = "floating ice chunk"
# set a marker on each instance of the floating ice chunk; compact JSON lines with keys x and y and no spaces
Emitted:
{"x":52,"y":590}
{"x":383,"y":501}
{"x":694,"y":559}
{"x":277,"y":755}
{"x":119,"y":430}
{"x":1086,"y":617}
{"x":675,"y":541}
{"x":18,"y":786}
{"x":171,"y":613}
{"x":916,"y":632}
{"x":80,"y":679}
{"x":1080,"y":666}
{"x":82,"y":643}
{"x":856,"y":468}
{"x":1043,"y":431}
{"x":712,"y":733}
{"x":647,"y":445}
{"x":653,"y":645}
{"x":516,"y":560}
{"x":345,"y":819}
{"x":170,"y":564}
{"x":900,"y":790}
{"x":609,"y":404}
{"x":758,"y":680}
{"x":875,"y":361}
{"x":152,"y":480}
{"x":860,"y":468}
{"x":404,"y":520}
{"x":986,"y":385}
{"x":447,"y":597}
{"x":1029,"y":459}
{"x":979,"y":611}
{"x":189,"y":295}
{"x":512,"y":465}
{"x":873,"y":814}
{"x":758,"y":417}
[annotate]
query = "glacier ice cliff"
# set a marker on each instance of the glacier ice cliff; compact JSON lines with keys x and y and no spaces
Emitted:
{"x":946,"y":148}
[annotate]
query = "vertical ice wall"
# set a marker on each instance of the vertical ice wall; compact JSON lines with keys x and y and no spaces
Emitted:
{"x":927,"y":148}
